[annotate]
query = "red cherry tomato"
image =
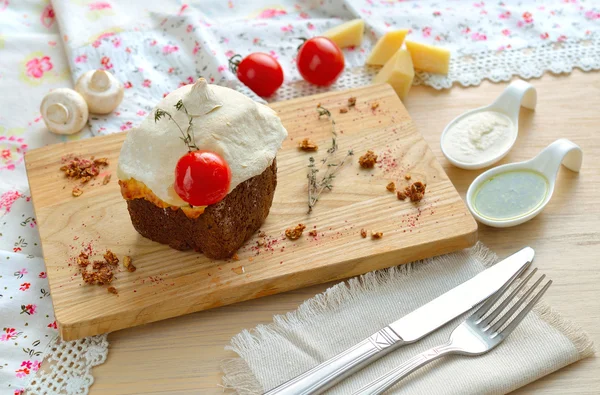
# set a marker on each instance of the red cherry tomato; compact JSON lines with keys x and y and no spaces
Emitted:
{"x":202,"y":178}
{"x":320,"y":61}
{"x":259,"y":72}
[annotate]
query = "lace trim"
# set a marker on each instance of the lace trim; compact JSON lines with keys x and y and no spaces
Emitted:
{"x":66,"y":370}
{"x":471,"y":70}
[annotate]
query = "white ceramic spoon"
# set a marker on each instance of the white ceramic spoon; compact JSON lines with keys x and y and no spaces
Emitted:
{"x":545,"y":163}
{"x":518,"y":93}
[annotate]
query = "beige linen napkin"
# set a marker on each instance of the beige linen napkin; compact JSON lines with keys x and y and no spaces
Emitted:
{"x":350,"y":311}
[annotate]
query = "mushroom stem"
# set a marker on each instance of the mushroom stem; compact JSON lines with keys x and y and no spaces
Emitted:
{"x":99,"y":81}
{"x":58,"y":113}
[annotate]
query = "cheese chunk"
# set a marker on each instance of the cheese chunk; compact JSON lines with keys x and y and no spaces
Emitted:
{"x":347,"y":34}
{"x":429,"y":58}
{"x":398,"y":72}
{"x":386,"y":47}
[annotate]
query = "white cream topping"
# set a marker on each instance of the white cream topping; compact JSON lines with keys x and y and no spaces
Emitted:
{"x":245,"y":133}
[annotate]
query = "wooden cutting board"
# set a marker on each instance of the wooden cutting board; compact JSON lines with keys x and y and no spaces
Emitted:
{"x":169,"y":283}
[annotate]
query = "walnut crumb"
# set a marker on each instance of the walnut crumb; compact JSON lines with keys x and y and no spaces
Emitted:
{"x":111,"y":258}
{"x":235,"y":257}
{"x":260,"y":242}
{"x":363,"y":233}
{"x":77,"y":191}
{"x":295,"y":233}
{"x":112,"y":290}
{"x":343,"y":110}
{"x":376,"y":235}
{"x":374,"y":105}
{"x":407,"y":177}
{"x":128,"y":264}
{"x":352,"y":102}
{"x":106,"y":179}
{"x":368,"y":160}
{"x":101,"y":161}
{"x":308,"y":145}
{"x":401,"y":195}
{"x":82,"y":260}
{"x":313,"y":233}
{"x":391,"y":186}
{"x":262,"y":234}
{"x":97,"y":265}
{"x":102,"y":276}
{"x":415,"y":191}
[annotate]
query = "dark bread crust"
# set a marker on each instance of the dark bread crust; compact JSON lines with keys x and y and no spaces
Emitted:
{"x":221,"y":229}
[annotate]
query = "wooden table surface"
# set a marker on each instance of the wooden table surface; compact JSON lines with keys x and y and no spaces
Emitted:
{"x":182,"y":355}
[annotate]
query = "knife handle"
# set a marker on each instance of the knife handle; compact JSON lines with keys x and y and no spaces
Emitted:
{"x":329,"y":373}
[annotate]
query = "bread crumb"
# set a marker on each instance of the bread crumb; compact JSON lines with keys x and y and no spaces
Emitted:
{"x":235,"y":257}
{"x":374,"y":105}
{"x":106,"y":179}
{"x":407,"y":177}
{"x":343,"y":110}
{"x":368,"y":160}
{"x":128,"y":264}
{"x":260,"y":242}
{"x":415,"y":191}
{"x":102,"y":276}
{"x":77,"y":191}
{"x":376,"y":235}
{"x":308,"y":145}
{"x":101,"y":161}
{"x":295,"y":233}
{"x":82,"y":260}
{"x":352,"y":102}
{"x":112,"y":290}
{"x":111,"y":258}
{"x":313,"y":233}
{"x":401,"y":195}
{"x":391,"y":186}
{"x":363,"y":233}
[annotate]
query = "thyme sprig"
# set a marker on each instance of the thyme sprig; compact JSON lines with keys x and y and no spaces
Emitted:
{"x":187,"y":137}
{"x":316,"y":186}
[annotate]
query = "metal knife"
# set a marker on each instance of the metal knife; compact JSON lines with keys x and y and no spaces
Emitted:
{"x":409,"y":328}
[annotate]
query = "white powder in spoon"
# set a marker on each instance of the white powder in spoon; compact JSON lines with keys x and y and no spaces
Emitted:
{"x":479,"y":137}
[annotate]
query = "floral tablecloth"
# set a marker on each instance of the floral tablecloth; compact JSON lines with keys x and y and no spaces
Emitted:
{"x":155,"y":46}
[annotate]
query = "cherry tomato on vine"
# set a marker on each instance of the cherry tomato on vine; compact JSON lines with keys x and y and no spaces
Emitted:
{"x":320,"y":61}
{"x":202,"y":178}
{"x":258,"y":71}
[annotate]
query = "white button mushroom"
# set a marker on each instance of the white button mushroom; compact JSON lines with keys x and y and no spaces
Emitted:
{"x":64,"y":111}
{"x":101,"y":90}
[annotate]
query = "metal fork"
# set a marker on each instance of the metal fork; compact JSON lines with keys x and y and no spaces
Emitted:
{"x":477,"y":335}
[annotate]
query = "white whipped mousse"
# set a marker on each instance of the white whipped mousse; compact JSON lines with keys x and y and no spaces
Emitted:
{"x":245,"y":133}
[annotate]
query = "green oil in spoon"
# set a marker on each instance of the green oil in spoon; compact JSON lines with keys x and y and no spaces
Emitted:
{"x":511,"y":194}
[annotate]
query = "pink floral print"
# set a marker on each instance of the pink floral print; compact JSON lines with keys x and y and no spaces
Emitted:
{"x":105,"y":61}
{"x":81,"y":59}
{"x":28,"y":309}
{"x":100,"y":5}
{"x":271,"y":13}
{"x":9,"y":334}
{"x":36,"y":67}
{"x":47,"y":17}
{"x":24,"y":286}
{"x":167,"y":49}
{"x":7,"y":199}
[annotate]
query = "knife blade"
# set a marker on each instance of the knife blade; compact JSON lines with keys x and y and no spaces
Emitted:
{"x":409,"y":328}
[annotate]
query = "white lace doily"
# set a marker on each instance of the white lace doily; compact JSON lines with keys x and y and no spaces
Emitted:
{"x":67,"y":369}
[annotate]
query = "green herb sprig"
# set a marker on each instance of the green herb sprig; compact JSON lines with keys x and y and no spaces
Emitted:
{"x":316,"y":186}
{"x":187,"y":137}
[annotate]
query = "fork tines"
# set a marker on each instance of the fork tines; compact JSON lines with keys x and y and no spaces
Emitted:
{"x":486,"y":321}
